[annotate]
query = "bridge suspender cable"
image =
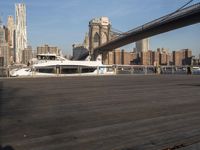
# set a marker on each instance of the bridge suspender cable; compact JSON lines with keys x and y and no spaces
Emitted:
{"x":179,"y":9}
{"x":118,"y":32}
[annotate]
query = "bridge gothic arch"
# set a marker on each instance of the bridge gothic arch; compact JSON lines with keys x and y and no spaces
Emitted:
{"x":104,"y":38}
{"x":99,"y":33}
{"x":96,"y":40}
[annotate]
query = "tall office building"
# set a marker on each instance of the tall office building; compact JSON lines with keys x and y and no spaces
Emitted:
{"x":20,"y":31}
{"x":2,"y":32}
{"x":11,"y":28}
{"x":11,"y":37}
{"x":4,"y":52}
{"x":142,"y":45}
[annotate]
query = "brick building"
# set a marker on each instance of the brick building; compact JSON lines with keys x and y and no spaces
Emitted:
{"x":182,"y":57}
{"x":46,"y":49}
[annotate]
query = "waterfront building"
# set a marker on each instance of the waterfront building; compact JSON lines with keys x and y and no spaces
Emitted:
{"x":117,"y":57}
{"x":136,"y":58}
{"x":112,"y":57}
{"x":80,"y":49}
{"x":147,"y":57}
{"x":126,"y":57}
{"x":156,"y":58}
{"x":4,"y":52}
{"x":164,"y":56}
{"x":46,"y":49}
{"x":27,"y":55}
{"x":177,"y":59}
{"x":20,"y":31}
{"x":34,"y":53}
{"x":182,"y":57}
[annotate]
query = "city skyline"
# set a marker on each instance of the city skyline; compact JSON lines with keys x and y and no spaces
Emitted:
{"x":65,"y":23}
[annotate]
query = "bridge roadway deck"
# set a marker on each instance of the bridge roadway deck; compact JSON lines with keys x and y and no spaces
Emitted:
{"x":100,"y":113}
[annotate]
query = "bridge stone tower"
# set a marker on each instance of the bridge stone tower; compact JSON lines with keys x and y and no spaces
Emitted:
{"x":99,"y":33}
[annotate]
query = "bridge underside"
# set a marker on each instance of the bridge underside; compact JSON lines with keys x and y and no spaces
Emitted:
{"x":187,"y":17}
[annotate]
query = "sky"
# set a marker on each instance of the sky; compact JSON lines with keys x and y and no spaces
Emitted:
{"x":63,"y":23}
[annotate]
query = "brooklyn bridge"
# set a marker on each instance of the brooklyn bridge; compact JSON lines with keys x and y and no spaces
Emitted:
{"x":103,"y":38}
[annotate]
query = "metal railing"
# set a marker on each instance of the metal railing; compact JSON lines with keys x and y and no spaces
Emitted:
{"x":4,"y":72}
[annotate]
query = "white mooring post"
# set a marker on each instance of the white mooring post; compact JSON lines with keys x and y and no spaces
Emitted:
{"x":132,"y":70}
{"x":145,"y":70}
{"x":97,"y":70}
{"x":172,"y":69}
{"x":116,"y":70}
{"x":57,"y":71}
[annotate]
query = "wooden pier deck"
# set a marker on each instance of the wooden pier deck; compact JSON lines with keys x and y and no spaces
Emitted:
{"x":125,"y":112}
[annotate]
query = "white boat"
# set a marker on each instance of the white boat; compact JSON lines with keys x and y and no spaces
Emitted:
{"x":196,"y":70}
{"x":52,"y":65}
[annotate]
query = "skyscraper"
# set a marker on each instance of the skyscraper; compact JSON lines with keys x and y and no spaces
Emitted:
{"x":142,"y":45}
{"x":11,"y":28}
{"x":4,"y":53}
{"x":20,"y":31}
{"x":11,"y":37}
{"x":2,"y":32}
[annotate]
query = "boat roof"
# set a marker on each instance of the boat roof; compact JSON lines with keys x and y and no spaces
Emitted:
{"x":46,"y":55}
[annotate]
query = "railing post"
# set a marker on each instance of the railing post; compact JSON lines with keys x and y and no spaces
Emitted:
{"x":33,"y":72}
{"x":8,"y":72}
{"x":79,"y":69}
{"x":172,"y":69}
{"x":97,"y":70}
{"x":116,"y":70}
{"x":145,"y":70}
{"x":57,"y":71}
{"x":132,"y":70}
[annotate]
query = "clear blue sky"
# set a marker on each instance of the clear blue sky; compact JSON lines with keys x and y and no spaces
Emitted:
{"x":65,"y":22}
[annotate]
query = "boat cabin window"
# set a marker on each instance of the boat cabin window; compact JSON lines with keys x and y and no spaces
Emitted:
{"x":75,"y":69}
{"x":40,"y":57}
{"x":88,"y":69}
{"x":46,"y":70}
